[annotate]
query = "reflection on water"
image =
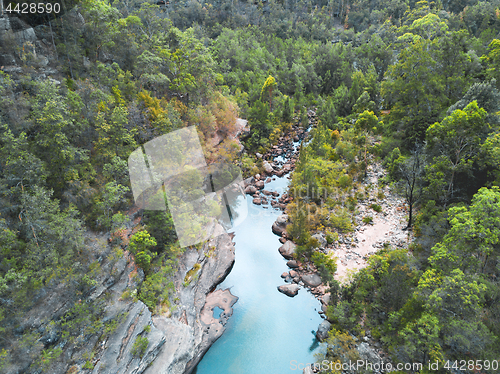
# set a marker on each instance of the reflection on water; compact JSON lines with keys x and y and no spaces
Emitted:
{"x":268,"y":330}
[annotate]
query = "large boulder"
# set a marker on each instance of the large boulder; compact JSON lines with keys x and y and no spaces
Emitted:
{"x":326,"y":299}
{"x":280,"y":224}
{"x":267,"y":167}
{"x":323,"y":329}
{"x":287,"y":250}
{"x":289,"y":289}
{"x":292,"y":263}
{"x":311,"y":280}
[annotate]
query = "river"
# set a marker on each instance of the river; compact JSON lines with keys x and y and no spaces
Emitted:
{"x":268,"y":332}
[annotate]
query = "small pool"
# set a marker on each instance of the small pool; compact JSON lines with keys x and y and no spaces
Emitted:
{"x":217,"y":312}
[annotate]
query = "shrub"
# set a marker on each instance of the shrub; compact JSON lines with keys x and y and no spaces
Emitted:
{"x":376,"y":207}
{"x":332,"y":237}
{"x":140,"y":346}
{"x":191,"y":274}
{"x":368,"y":220}
{"x":88,"y":365}
{"x":341,"y":220}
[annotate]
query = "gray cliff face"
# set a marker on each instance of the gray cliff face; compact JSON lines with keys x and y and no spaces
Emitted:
{"x":176,"y":343}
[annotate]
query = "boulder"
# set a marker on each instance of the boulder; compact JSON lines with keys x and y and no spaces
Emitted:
{"x":280,"y":225}
{"x":321,"y":240}
{"x":250,"y":190}
{"x":248,"y":181}
{"x":293,"y":273}
{"x":326,"y":298}
{"x":266,"y":192}
{"x":267,"y":167}
{"x":257,"y":177}
{"x":284,"y":275}
{"x":287,"y":250}
{"x":259,"y":155}
{"x":282,"y":220}
{"x":289,"y":289}
{"x":292,"y":263}
{"x":322,"y":332}
{"x":259,"y":185}
{"x":257,"y":201}
{"x":311,"y":280}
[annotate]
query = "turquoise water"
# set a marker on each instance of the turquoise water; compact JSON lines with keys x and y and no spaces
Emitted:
{"x":268,"y":332}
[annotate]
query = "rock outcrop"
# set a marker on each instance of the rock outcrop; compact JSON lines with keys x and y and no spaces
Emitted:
{"x":322,"y":332}
{"x":178,"y":340}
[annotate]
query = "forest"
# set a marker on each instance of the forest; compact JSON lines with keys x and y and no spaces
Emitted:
{"x":413,"y":85}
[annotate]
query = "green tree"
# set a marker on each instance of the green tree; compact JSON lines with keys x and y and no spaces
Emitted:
{"x":140,"y":245}
{"x":267,"y":90}
{"x":141,"y":242}
{"x":421,"y":337}
{"x":473,"y":241}
{"x":413,"y":91}
{"x":56,"y":133}
{"x":287,"y":110}
{"x":455,"y":142}
{"x":53,"y":237}
{"x":366,"y":122}
{"x":492,"y":61}
{"x":115,"y":139}
{"x":112,"y":195}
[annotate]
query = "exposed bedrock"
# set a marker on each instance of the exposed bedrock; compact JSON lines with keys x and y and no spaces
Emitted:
{"x":176,"y":343}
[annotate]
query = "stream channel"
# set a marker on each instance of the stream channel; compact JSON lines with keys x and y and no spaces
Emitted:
{"x":268,"y":332}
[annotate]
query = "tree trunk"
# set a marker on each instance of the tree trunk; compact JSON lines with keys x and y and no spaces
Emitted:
{"x":410,"y":216}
